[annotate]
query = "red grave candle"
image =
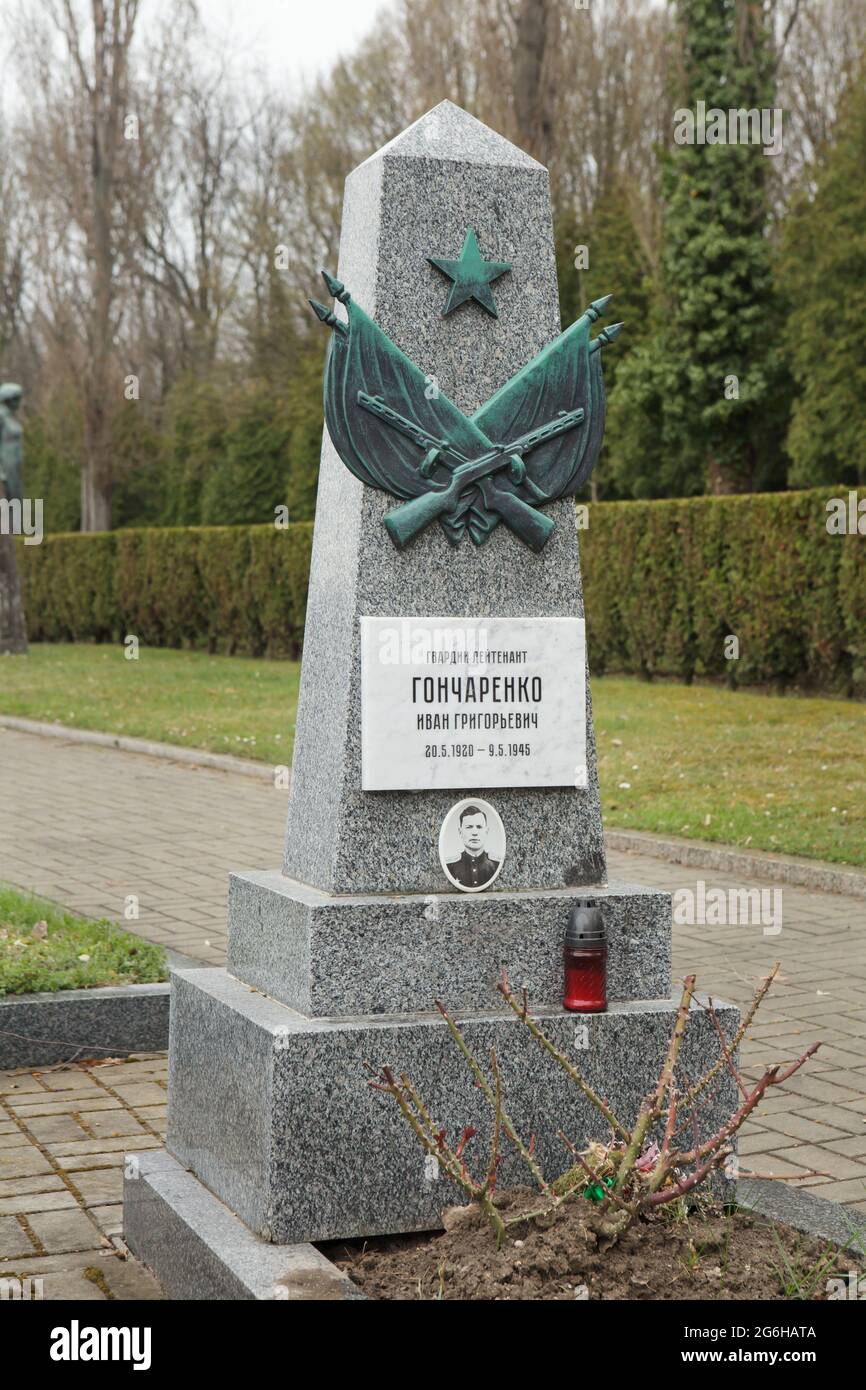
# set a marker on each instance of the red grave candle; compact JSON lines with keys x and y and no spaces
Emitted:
{"x":585,"y":958}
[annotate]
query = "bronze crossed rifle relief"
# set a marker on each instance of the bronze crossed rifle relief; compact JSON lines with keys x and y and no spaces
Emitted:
{"x":536,"y":439}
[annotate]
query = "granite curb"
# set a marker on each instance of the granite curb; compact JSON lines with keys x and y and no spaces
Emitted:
{"x":41,"y":1030}
{"x":801,"y":873}
{"x":199,"y":1250}
{"x":815,"y":1216}
{"x":202,"y":1251}
{"x":197,"y":757}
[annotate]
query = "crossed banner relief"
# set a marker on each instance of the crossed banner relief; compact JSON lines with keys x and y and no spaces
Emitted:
{"x":536,"y":439}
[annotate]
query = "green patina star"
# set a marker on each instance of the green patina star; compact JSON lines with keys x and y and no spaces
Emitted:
{"x":472,"y":276}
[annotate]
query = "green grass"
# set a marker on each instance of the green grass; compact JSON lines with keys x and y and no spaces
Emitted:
{"x":67,"y":952}
{"x":227,"y":704}
{"x":779,"y":773}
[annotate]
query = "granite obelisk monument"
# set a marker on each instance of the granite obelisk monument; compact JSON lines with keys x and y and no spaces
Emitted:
{"x":444,"y":812}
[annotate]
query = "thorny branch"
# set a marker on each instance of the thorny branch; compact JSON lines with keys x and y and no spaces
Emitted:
{"x":522,"y":1011}
{"x":633,"y":1174}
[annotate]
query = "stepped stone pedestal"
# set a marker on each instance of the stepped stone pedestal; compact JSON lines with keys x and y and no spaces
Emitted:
{"x":275,"y":1139}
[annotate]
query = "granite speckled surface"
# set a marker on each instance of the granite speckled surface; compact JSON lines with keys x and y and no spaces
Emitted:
{"x":805,"y":1211}
{"x":412,"y":199}
{"x":317,"y":1154}
{"x":326,"y":955}
{"x":200,"y":1250}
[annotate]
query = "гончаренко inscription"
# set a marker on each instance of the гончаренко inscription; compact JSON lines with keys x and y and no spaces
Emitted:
{"x":473,"y":702}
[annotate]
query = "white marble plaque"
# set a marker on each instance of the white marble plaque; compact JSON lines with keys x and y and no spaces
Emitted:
{"x":472,"y":702}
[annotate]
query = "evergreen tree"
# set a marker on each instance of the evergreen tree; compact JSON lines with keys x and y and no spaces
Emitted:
{"x":700,"y":405}
{"x":248,"y":481}
{"x":287,"y":354}
{"x":617,"y":265}
{"x":823,"y":272}
{"x":305,"y":441}
{"x":52,"y":462}
{"x":194,"y":434}
{"x":138,"y":494}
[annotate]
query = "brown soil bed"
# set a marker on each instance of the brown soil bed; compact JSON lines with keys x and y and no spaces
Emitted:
{"x":706,"y":1253}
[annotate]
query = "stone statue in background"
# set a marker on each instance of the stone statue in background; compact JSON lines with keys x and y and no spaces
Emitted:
{"x":10,"y":440}
{"x":13,"y":632}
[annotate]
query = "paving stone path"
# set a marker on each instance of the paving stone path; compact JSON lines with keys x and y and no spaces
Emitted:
{"x":63,"y":1136}
{"x":95,"y":826}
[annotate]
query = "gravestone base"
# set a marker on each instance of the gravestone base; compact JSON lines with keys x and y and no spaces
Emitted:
{"x":330,"y":954}
{"x":273,"y":1112}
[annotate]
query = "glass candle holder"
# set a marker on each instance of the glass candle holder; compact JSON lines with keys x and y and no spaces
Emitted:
{"x":585,"y":960}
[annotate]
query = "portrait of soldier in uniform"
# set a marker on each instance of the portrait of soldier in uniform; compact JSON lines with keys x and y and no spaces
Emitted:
{"x":472,"y":845}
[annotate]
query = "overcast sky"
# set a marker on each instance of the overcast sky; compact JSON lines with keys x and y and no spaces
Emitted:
{"x":289,"y":40}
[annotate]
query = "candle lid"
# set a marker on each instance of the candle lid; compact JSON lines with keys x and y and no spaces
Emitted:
{"x":585,"y":924}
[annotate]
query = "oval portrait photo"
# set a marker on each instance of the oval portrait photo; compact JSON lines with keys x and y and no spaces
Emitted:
{"x":472,"y":845}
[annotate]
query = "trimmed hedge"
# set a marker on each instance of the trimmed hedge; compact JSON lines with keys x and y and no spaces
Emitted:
{"x":239,"y":589}
{"x":666,"y":583}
